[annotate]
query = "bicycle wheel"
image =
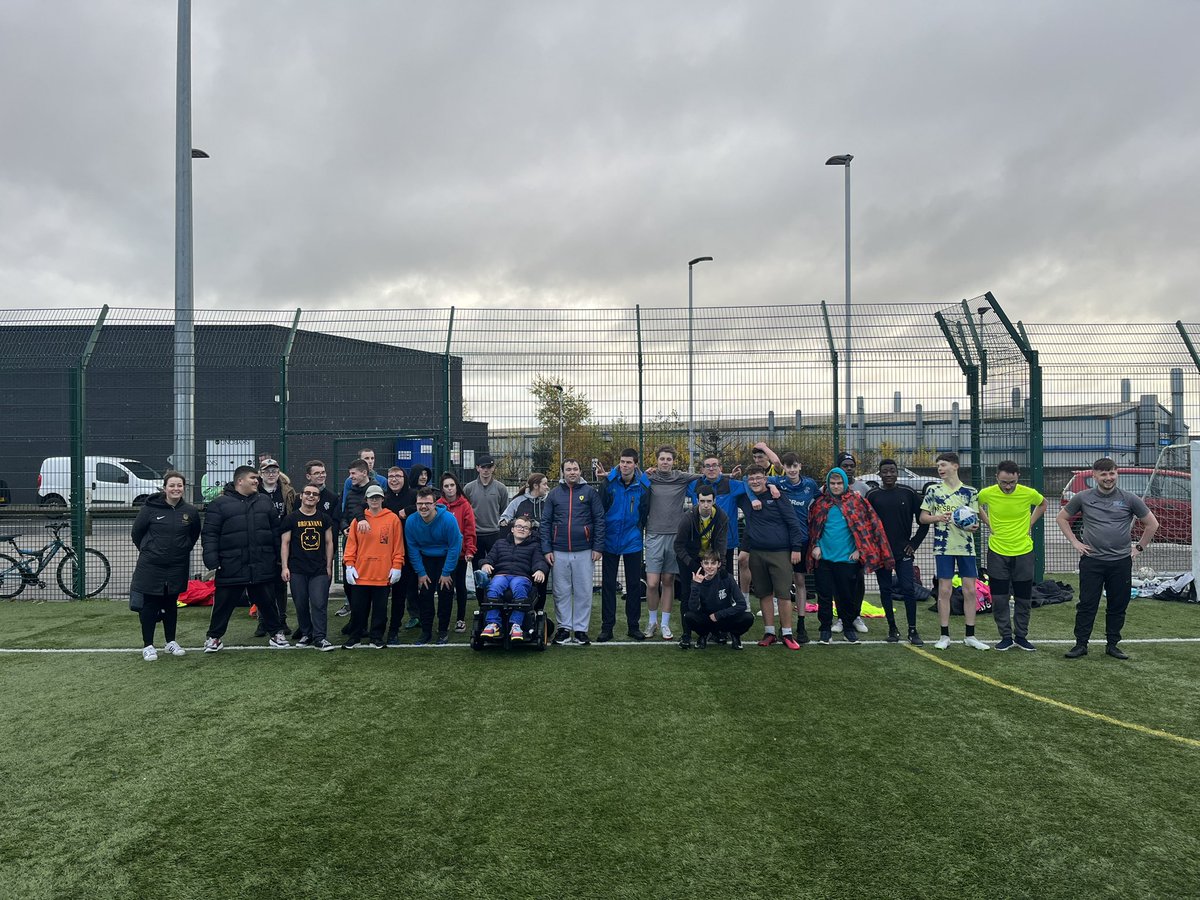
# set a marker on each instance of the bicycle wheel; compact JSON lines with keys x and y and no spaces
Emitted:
{"x":96,"y":572}
{"x":11,"y":582}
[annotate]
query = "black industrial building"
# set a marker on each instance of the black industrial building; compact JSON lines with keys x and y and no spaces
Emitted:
{"x":342,"y":392}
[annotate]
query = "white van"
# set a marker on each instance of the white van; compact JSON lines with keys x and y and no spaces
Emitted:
{"x":108,"y":480}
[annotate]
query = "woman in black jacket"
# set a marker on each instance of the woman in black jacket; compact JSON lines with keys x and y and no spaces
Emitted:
{"x":164,"y":532}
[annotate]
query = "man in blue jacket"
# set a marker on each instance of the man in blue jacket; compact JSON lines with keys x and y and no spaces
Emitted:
{"x":726,"y":491}
{"x":572,"y":534}
{"x":434,"y":543}
{"x":625,"y":494}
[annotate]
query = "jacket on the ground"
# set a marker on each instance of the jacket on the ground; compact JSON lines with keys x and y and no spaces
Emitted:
{"x":721,"y":596}
{"x":688,"y":539}
{"x":464,"y":513}
{"x":438,"y":537}
{"x":507,"y":557}
{"x":164,"y":535}
{"x":573,"y":519}
{"x":626,"y":508}
{"x":240,"y":537}
{"x":865,"y":528}
{"x":374,"y":552}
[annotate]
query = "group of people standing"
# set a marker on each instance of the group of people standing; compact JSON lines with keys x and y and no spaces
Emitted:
{"x":407,"y":544}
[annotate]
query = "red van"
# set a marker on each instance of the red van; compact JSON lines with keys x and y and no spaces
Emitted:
{"x":1168,"y":494}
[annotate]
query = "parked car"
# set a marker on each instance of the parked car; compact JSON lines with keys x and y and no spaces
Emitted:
{"x":907,"y":477}
{"x":1167,"y":493}
{"x":108,"y":480}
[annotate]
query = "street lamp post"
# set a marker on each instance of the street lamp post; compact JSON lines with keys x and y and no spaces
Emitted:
{"x":844,"y":160}
{"x":559,"y":388}
{"x":691,"y":371}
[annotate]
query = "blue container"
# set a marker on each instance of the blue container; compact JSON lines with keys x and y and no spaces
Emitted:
{"x":410,"y":451}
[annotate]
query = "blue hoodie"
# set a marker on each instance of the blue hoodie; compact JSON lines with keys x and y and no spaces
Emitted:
{"x":836,"y":542}
{"x":438,"y":537}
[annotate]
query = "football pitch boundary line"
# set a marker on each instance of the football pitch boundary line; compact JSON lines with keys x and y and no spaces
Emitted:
{"x":1058,"y":704}
{"x":69,"y":651}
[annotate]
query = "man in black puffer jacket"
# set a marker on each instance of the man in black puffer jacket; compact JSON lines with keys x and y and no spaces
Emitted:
{"x":515,"y":564}
{"x":241,"y":542}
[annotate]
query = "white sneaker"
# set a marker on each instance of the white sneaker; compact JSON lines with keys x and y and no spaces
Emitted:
{"x":975,"y":643}
{"x":174,"y":649}
{"x":651,"y":629}
{"x":860,"y":626}
{"x":837,"y":626}
{"x":943,"y":642}
{"x":279,"y":642}
{"x":149,"y":654}
{"x":212,"y":645}
{"x":666,"y":634}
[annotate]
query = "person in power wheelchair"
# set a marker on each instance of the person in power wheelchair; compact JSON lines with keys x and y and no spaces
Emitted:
{"x":513,"y":566}
{"x":715,"y":604}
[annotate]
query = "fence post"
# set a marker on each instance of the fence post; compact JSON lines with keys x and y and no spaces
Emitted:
{"x":637,"y":310}
{"x":284,"y":361}
{"x":1037,"y":472}
{"x":78,"y":480}
{"x":446,"y":406}
{"x":833,"y":361}
{"x":1187,"y":342}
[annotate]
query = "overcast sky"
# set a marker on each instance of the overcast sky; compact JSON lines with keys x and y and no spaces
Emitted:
{"x":398,"y":154}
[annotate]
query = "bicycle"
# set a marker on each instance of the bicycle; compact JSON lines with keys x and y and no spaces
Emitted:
{"x":18,"y":573}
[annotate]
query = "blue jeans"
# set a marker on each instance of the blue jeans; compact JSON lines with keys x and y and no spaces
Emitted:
{"x":521,"y":588}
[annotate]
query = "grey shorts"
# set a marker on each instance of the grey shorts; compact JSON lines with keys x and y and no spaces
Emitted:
{"x":660,"y":554}
{"x":1010,"y":568}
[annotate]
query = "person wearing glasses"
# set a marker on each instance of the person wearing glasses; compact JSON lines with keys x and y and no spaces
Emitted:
{"x":434,"y":543}
{"x":306,"y":549}
{"x":513,"y":564}
{"x":165,"y":531}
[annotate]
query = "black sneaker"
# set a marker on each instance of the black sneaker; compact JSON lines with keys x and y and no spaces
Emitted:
{"x":719,"y":637}
{"x":735,"y":642}
{"x":1077,"y":651}
{"x":561,"y":636}
{"x":351,"y":643}
{"x":685,"y":642}
{"x":914,"y":638}
{"x":1024,"y":644}
{"x":260,"y":631}
{"x":443,"y":638}
{"x":826,"y":636}
{"x":702,"y":642}
{"x":604,"y":636}
{"x":801,"y":635}
{"x":893,"y":635}
{"x":297,"y":634}
{"x":637,"y":634}
{"x":581,"y":637}
{"x":377,"y":644}
{"x":1116,"y":652}
{"x":344,"y":611}
{"x":1005,"y":643}
{"x":851,"y":635}
{"x":303,"y":639}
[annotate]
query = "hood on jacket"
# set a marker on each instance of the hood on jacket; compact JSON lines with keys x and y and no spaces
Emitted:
{"x":159,"y":500}
{"x":451,"y":504}
{"x":845,"y":481}
{"x":413,"y":475}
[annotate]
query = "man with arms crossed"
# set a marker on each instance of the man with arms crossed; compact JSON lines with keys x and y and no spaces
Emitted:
{"x":1105,"y":556}
{"x":1010,"y":510}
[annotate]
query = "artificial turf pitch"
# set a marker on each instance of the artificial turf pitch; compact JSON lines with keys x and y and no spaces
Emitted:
{"x":594,"y":772}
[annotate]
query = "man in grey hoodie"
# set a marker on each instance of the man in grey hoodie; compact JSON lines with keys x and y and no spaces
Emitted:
{"x":488,"y":498}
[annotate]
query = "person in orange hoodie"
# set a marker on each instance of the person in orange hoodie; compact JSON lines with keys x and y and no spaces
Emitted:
{"x":453,"y":499}
{"x":374,"y":560}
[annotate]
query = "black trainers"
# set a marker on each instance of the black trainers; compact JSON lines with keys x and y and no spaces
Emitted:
{"x":351,"y":643}
{"x":735,"y":642}
{"x":581,"y":637}
{"x":637,"y":634}
{"x":826,"y":636}
{"x":260,"y":631}
{"x":719,"y":637}
{"x":893,"y":635}
{"x":701,"y":641}
{"x":851,"y":635}
{"x":1077,"y":651}
{"x":561,"y":636}
{"x":1005,"y":643}
{"x":802,"y":635}
{"x":1116,"y":652}
{"x":604,"y":636}
{"x":685,"y":642}
{"x":1023,"y":643}
{"x":914,"y":638}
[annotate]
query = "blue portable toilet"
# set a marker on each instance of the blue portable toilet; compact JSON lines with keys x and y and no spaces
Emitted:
{"x":410,"y":451}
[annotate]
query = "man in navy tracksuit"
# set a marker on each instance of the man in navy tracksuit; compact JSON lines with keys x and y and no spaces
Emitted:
{"x":625,"y":494}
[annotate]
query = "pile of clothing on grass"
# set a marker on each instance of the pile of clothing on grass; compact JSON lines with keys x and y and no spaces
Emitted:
{"x":1176,"y":586}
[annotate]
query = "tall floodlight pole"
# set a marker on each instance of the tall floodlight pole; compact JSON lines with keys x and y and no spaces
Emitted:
{"x":691,"y":371}
{"x":844,"y":160}
{"x":183,"y":456}
{"x":559,"y":388}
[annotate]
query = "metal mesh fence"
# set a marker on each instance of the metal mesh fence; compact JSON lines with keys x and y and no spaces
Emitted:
{"x":439,"y":387}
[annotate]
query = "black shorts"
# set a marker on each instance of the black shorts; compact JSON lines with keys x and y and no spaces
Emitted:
{"x":798,"y":568}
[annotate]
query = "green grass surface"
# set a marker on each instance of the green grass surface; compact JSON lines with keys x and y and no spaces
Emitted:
{"x":592,"y":772}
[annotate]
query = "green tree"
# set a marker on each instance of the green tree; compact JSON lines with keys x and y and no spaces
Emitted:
{"x":558,"y":402}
